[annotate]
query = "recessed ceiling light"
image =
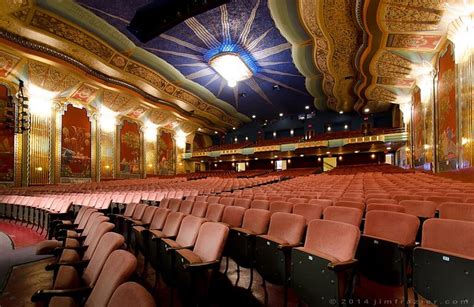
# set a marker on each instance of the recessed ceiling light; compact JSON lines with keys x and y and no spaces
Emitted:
{"x":254,"y":116}
{"x":306,"y":107}
{"x":389,"y":148}
{"x":215,"y":132}
{"x":231,"y":67}
{"x":346,"y":126}
{"x":202,"y":161}
{"x":366,"y":110}
{"x":220,"y":160}
{"x":281,"y":114}
{"x":357,"y":151}
{"x":328,"y":152}
{"x":256,"y":158}
{"x":275,"y":156}
{"x":233,"y":128}
{"x":341,"y":112}
{"x":301,"y":155}
{"x":319,"y":159}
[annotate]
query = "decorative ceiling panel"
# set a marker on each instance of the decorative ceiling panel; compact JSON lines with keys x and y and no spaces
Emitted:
{"x":401,"y":35}
{"x":244,"y":27}
{"x":336,"y":41}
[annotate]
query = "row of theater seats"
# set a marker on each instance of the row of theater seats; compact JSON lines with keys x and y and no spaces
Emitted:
{"x":91,"y":266}
{"x":270,"y":240}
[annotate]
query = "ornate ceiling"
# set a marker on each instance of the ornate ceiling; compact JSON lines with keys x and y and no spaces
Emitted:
{"x":339,"y":55}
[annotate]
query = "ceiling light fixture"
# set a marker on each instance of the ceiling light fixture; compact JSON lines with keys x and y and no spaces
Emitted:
{"x":231,"y":67}
{"x":254,"y":116}
{"x":341,"y":112}
{"x":281,"y":114}
{"x":366,"y":110}
{"x":306,"y":107}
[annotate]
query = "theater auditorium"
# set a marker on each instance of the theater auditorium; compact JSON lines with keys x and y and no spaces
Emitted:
{"x":282,"y":153}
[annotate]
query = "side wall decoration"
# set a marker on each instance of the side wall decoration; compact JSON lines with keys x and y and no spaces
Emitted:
{"x":418,"y":134}
{"x":166,"y":152}
{"x":7,"y":135}
{"x":130,"y":148}
{"x":447,"y":121}
{"x":76,"y":143}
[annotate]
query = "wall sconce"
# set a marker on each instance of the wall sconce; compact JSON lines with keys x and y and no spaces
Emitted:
{"x":150,"y":131}
{"x":340,"y":158}
{"x":39,"y":169}
{"x":319,"y":159}
{"x":292,"y":132}
{"x":272,"y":162}
{"x":246,"y":164}
{"x":108,"y":119}
{"x":40,"y":101}
{"x":288,"y":161}
{"x":372,"y":156}
{"x":107,"y":167}
{"x":180,"y":139}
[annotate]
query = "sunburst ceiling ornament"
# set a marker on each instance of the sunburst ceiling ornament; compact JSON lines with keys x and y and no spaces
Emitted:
{"x":231,"y":67}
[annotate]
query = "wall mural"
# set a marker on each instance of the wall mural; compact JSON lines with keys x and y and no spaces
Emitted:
{"x":166,"y":153}
{"x":76,"y":143}
{"x":6,"y":140}
{"x":447,"y":155}
{"x":130,"y":148}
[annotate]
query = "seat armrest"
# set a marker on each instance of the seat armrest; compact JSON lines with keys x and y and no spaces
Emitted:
{"x":169,"y":249}
{"x":286,"y":247}
{"x":343,"y":266}
{"x":408,"y":248}
{"x":77,"y":264}
{"x":201,"y":265}
{"x":45,"y":295}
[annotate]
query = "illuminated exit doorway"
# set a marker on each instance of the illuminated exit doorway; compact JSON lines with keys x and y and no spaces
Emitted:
{"x":329,"y":163}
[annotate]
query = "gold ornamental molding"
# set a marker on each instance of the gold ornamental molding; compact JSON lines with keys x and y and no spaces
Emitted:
{"x":400,"y":34}
{"x":334,"y":47}
{"x":46,"y":32}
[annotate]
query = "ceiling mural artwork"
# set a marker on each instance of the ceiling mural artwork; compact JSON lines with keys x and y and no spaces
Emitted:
{"x":334,"y":47}
{"x":403,"y":35}
{"x":241,"y":30}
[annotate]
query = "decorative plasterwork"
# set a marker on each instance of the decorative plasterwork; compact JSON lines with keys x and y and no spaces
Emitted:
{"x":334,"y":47}
{"x":401,"y":34}
{"x":74,"y":41}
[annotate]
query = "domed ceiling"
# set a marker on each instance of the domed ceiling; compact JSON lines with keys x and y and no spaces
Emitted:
{"x":244,"y":27}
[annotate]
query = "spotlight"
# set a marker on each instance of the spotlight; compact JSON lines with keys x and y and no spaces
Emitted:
{"x":254,"y":116}
{"x":281,"y":114}
{"x":276,"y":87}
{"x":306,"y":107}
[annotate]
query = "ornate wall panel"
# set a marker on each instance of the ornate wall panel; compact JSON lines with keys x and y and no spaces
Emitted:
{"x":447,"y":110}
{"x":166,"y":153}
{"x":7,"y":139}
{"x":40,"y":150}
{"x":418,"y":133}
{"x":151,"y":166}
{"x":107,"y":154}
{"x":76,"y":143}
{"x":129,"y":148}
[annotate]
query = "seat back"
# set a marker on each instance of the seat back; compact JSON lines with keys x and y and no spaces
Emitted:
{"x":392,"y":226}
{"x":199,"y":209}
{"x":172,"y":224}
{"x":242,"y":202}
{"x":449,"y":236}
{"x":226,"y":201}
{"x":139,"y":211}
{"x":85,"y":218}
{"x":159,"y":218}
{"x":337,"y":240}
{"x":323,"y":203}
{"x":94,"y":237}
{"x":350,"y":204}
{"x":457,"y":211}
{"x":214,"y":212}
{"x":129,"y":208}
{"x":131,"y":294}
{"x":210,"y":241}
{"x":260,"y":204}
{"x":420,"y":208}
{"x":256,"y":220}
{"x":148,"y":214}
{"x":233,"y":216}
{"x":281,"y":206}
{"x":174,"y":204}
{"x":213,"y":199}
{"x":118,"y":268}
{"x":385,"y":207}
{"x":164,"y":203}
{"x":188,"y":231}
{"x":287,"y":227}
{"x":108,"y":243}
{"x":186,"y":206}
{"x":309,"y":212}
{"x":348,"y":215}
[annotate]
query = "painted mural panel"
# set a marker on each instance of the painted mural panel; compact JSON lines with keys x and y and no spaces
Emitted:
{"x":166,"y":153}
{"x":130,"y":148}
{"x":6,"y":140}
{"x":75,"y":143}
{"x":447,"y":148}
